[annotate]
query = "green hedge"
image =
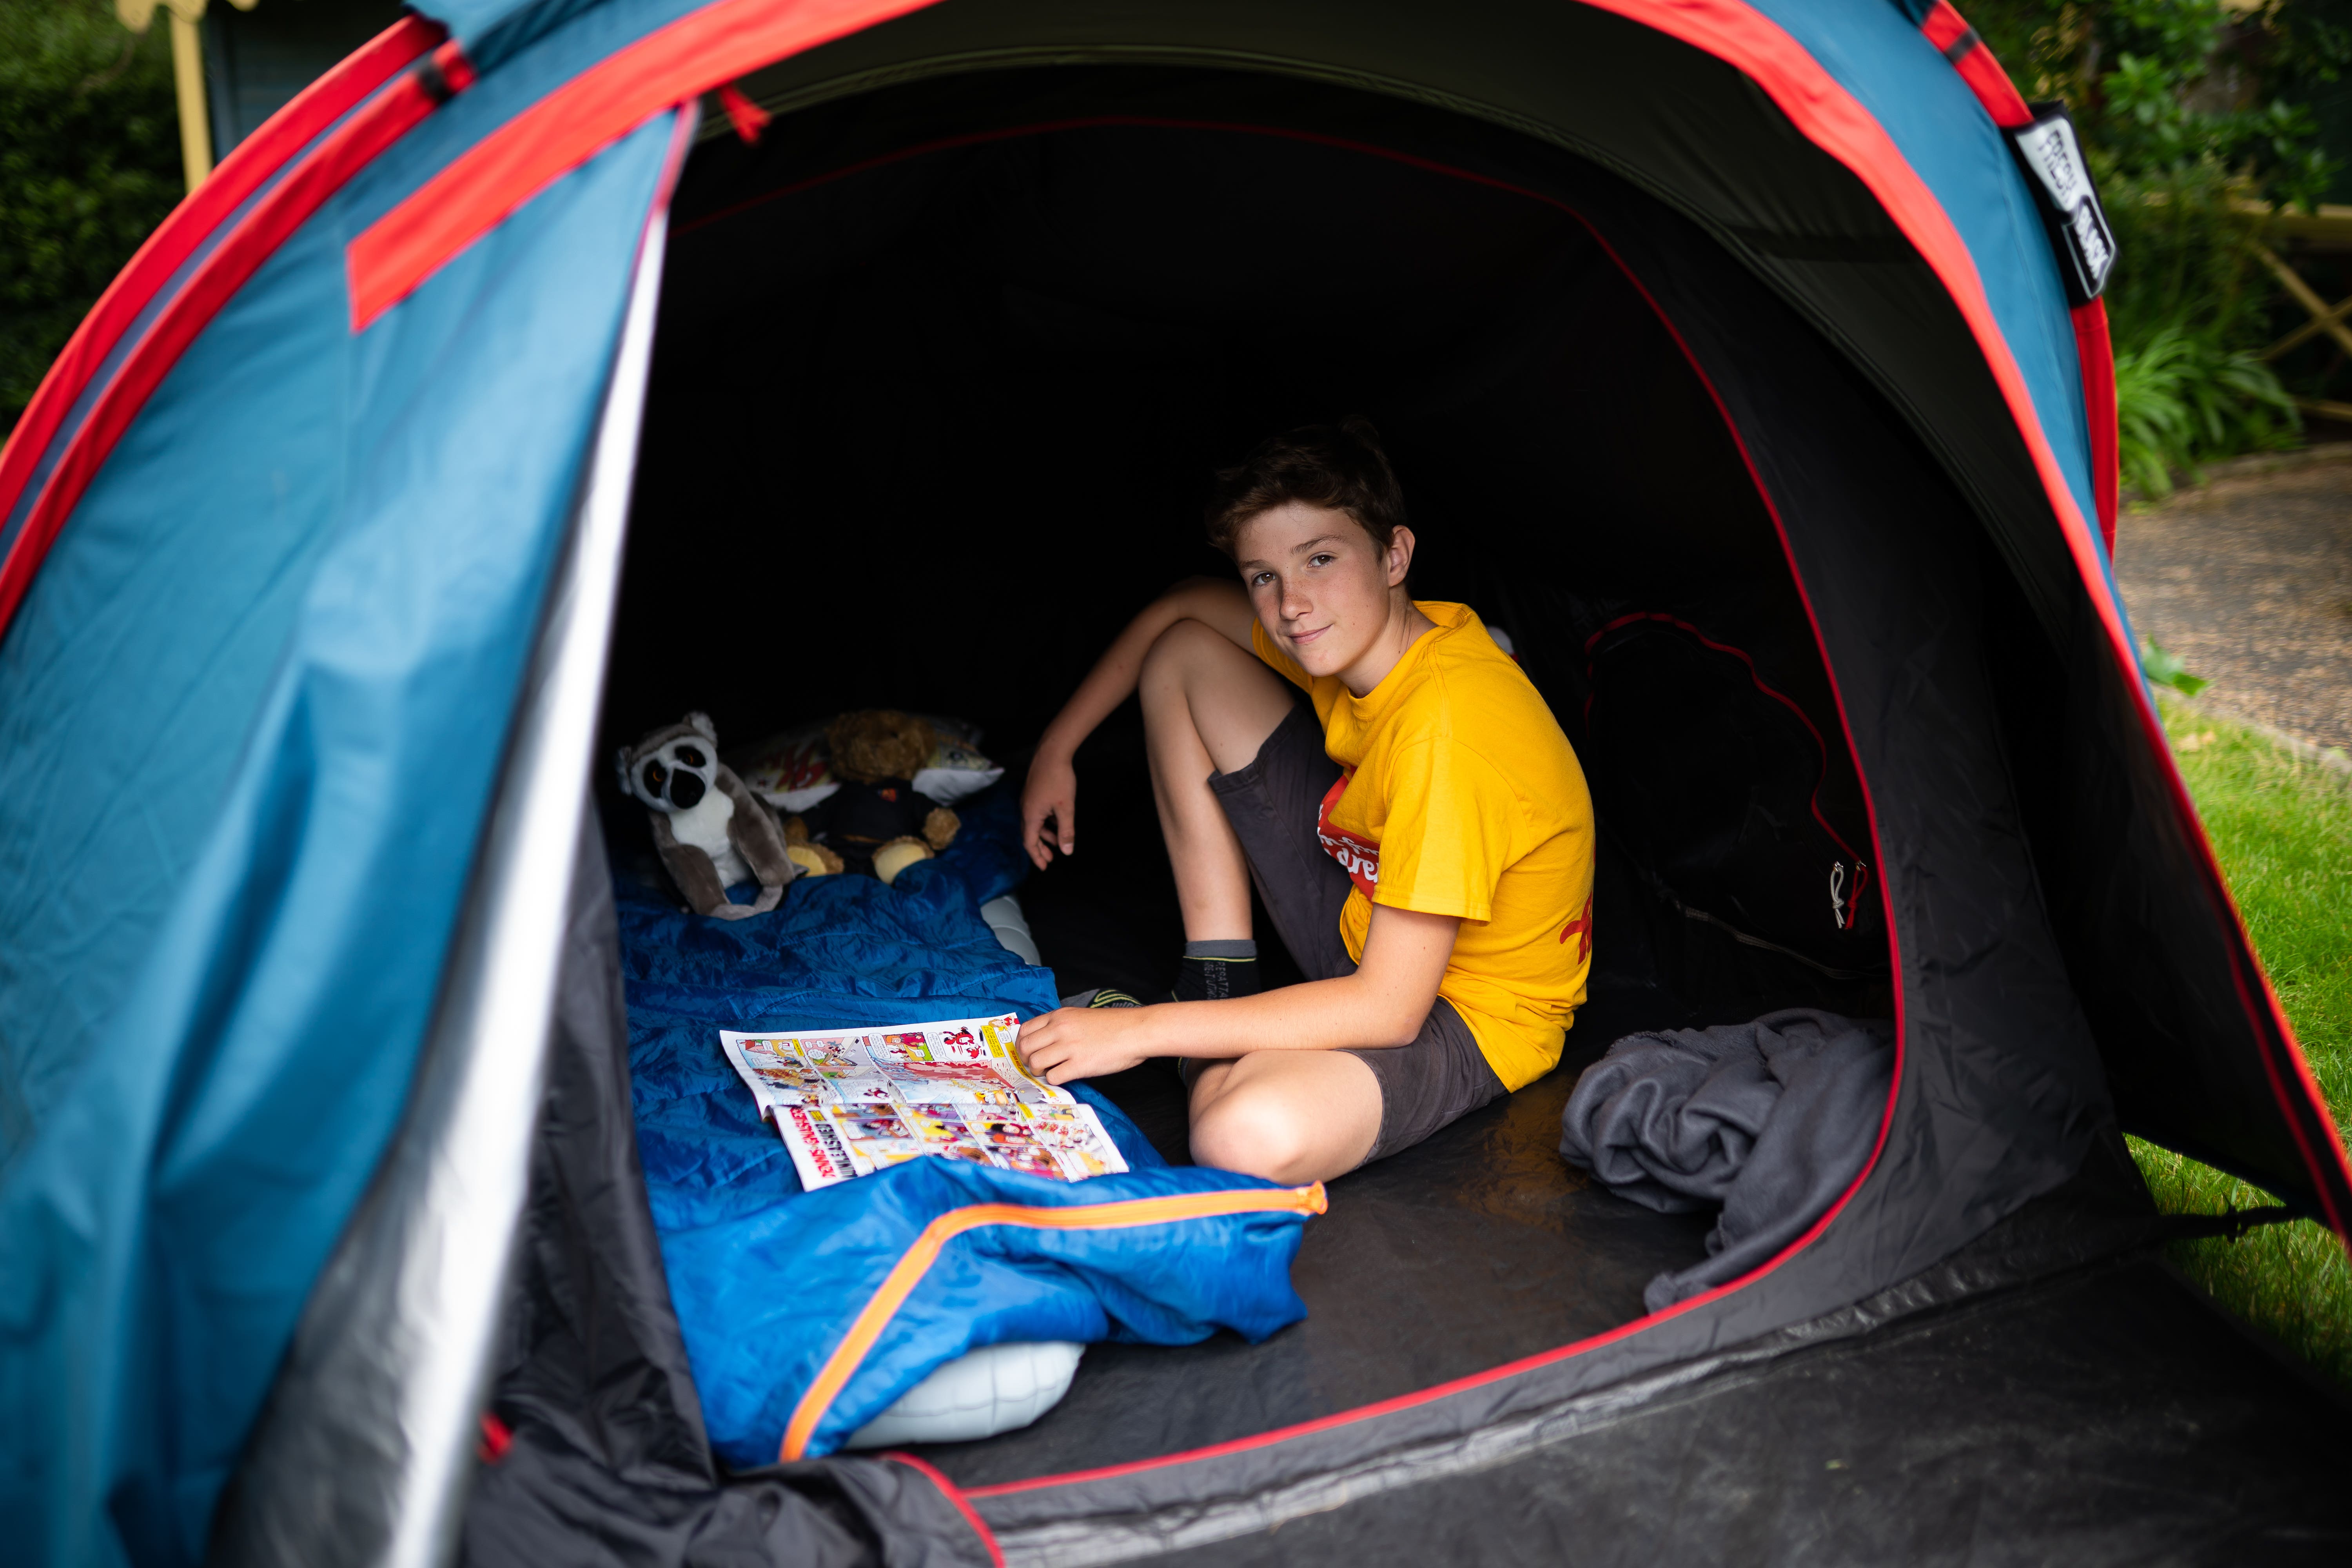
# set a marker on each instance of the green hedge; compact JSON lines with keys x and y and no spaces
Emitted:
{"x":89,"y":162}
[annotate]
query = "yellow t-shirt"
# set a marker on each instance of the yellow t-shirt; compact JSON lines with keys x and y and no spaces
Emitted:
{"x":1461,"y":796}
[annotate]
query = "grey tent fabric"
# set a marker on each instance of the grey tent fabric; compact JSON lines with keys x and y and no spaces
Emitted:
{"x":1771,"y":1120}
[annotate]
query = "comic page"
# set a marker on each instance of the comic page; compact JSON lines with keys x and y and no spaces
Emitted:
{"x":849,"y":1102}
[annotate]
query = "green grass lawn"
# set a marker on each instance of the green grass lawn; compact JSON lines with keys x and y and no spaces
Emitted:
{"x":2283,"y":828}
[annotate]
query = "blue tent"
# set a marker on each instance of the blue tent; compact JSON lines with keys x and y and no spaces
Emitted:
{"x":312,"y":552}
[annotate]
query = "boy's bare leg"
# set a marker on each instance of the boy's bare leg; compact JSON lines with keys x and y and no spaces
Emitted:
{"x":1207,"y":708}
{"x":1288,"y":1116}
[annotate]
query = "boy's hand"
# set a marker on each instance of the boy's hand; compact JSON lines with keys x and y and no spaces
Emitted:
{"x":1072,"y":1043}
{"x":1052,"y":791}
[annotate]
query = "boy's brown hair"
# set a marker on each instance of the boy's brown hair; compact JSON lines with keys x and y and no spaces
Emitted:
{"x":1339,"y":467}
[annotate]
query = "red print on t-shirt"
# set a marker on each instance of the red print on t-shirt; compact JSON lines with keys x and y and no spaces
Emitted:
{"x":1359,"y":859}
{"x":1581,"y":929}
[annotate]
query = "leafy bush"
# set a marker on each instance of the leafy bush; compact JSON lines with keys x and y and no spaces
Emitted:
{"x":2180,"y":399}
{"x":89,"y":162}
{"x":2164,"y":668}
{"x":2183,"y":108}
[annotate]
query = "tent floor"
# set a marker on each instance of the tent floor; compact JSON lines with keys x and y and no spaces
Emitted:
{"x":1474,"y":1248}
{"x":1477,"y":1248}
{"x":2110,"y":1416}
{"x":2107,"y":1414}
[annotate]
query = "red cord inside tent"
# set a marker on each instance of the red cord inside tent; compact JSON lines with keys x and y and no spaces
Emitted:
{"x":1887,"y":1118}
{"x":1851,"y":913}
{"x":748,"y":118}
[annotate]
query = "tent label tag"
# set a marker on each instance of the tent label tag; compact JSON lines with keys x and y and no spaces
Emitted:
{"x":2052,"y":155}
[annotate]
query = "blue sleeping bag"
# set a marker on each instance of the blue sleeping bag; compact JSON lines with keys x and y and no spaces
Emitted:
{"x":806,"y":1314}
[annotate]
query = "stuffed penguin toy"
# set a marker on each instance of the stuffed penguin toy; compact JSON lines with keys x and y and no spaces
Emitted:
{"x":711,"y":831}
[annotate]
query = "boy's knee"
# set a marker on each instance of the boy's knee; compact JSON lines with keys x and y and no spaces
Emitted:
{"x":1253,"y":1134}
{"x":1182,"y":648}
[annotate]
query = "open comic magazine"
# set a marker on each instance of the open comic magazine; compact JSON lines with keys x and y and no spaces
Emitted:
{"x":853,"y":1102}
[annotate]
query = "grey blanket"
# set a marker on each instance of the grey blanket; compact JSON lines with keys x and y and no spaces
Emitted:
{"x":1770,"y":1119}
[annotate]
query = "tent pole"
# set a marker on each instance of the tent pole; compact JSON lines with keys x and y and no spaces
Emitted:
{"x":187,"y":75}
{"x":188,"y":81}
{"x":383,"y":1386}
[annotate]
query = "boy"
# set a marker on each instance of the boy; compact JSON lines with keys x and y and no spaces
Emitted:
{"x":1419,"y":831}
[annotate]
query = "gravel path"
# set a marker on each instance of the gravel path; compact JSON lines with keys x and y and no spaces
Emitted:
{"x":2250,"y":581}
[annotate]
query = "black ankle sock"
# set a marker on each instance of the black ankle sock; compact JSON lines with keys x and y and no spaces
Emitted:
{"x":1213,"y":970}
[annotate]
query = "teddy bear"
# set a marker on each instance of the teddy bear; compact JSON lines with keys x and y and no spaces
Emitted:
{"x":877,"y":815}
{"x":711,"y":831}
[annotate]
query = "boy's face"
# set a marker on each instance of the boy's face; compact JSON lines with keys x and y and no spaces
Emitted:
{"x":1321,"y":587}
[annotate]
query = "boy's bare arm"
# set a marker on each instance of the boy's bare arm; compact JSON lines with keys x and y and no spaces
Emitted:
{"x":1384,"y":1003}
{"x":1053,"y":786}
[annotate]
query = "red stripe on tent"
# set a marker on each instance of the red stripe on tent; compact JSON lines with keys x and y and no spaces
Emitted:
{"x":1834,"y":120}
{"x":956,"y":1495}
{"x":1949,"y":31}
{"x":728,"y":39}
{"x":483,"y":185}
{"x":245,"y":170}
{"x":2097,"y":353}
{"x":353,"y":145}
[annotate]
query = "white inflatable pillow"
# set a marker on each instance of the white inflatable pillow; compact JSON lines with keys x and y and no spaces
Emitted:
{"x":993,"y":1389}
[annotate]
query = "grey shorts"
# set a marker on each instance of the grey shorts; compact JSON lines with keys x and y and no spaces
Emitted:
{"x":1272,"y":805}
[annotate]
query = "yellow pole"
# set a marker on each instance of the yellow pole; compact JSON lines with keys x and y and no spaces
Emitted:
{"x":188,"y":78}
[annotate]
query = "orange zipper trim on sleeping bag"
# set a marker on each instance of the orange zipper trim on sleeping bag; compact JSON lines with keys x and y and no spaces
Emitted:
{"x":908,"y":1272}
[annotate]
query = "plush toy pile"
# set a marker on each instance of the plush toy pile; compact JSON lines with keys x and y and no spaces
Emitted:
{"x":866,"y":794}
{"x":877,"y":819}
{"x":793,"y":771}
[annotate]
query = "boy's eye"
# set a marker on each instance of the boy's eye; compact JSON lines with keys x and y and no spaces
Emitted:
{"x":1323,"y":560}
{"x":1261,"y":579}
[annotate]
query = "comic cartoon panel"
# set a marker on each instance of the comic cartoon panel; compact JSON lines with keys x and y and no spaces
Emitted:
{"x":867,"y":1132}
{"x":863,"y":1125}
{"x":979,"y":1082}
{"x":913,"y":1046}
{"x":933,"y":1123}
{"x":817,"y":1153}
{"x":957,"y":1043}
{"x":1077,"y":1165}
{"x":1001,"y":1038}
{"x":845,"y":1068}
{"x":861,"y":1102}
{"x":1062,"y":1127}
{"x":938,"y":1123}
{"x":1076,"y":1135}
{"x":1011,"y":1128}
{"x":912,"y":1067}
{"x":1034,"y":1162}
{"x":787,"y":1079}
{"x":775,"y":1074}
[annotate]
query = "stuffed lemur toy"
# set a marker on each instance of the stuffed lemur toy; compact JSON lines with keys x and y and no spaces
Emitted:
{"x":711,"y":831}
